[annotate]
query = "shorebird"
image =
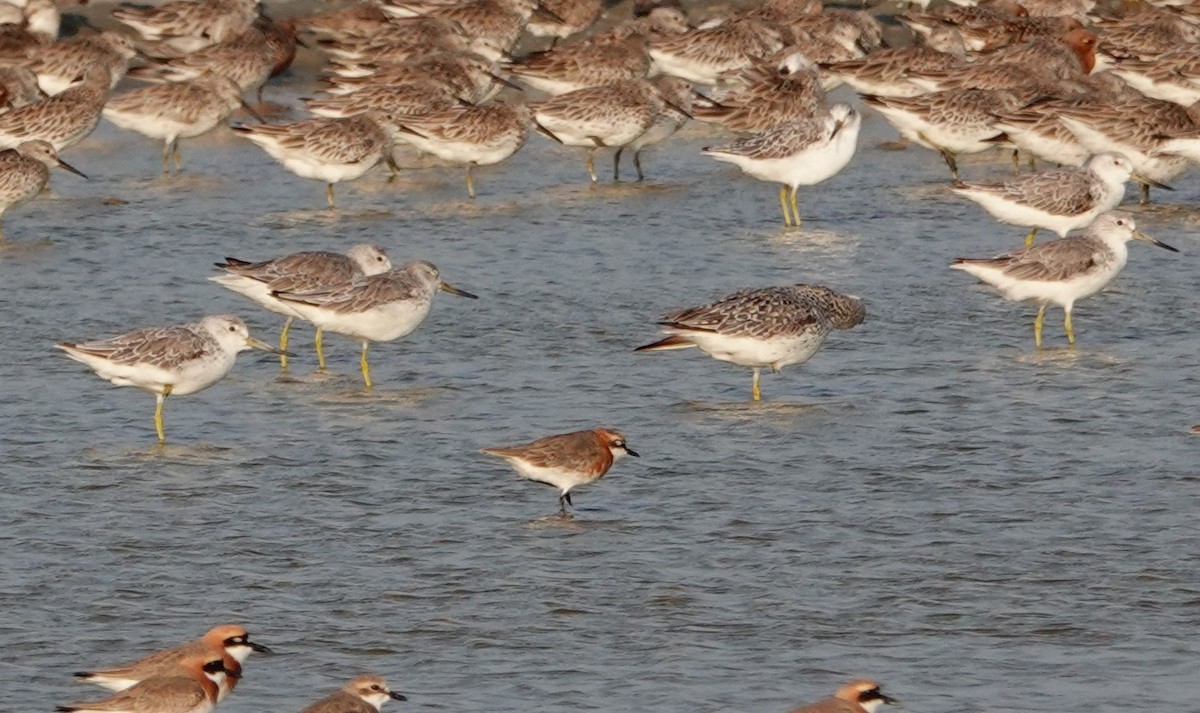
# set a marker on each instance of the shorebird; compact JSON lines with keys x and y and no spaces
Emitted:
{"x":230,"y":641}
{"x":769,"y":327}
{"x":177,"y":360}
{"x":24,"y":172}
{"x":1058,"y":199}
{"x":567,"y":460}
{"x":191,"y":687}
{"x":854,"y":697}
{"x":799,"y":153}
{"x":374,"y":308}
{"x":1061,"y":271}
{"x":365,"y":694}
{"x":299,"y":272}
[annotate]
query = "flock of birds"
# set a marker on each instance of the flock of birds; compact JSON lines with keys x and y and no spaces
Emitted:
{"x":194,"y":677}
{"x":1107,"y":98}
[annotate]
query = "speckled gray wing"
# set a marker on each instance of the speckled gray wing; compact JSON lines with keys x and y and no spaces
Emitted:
{"x":766,"y":312}
{"x":781,"y":141}
{"x":21,"y":178}
{"x":58,"y":118}
{"x":768,"y":101}
{"x":341,"y":702}
{"x":1144,"y":121}
{"x":421,"y":97}
{"x":592,"y":102}
{"x":164,"y":347}
{"x":1053,"y":261}
{"x":299,"y":272}
{"x":361,"y":294}
{"x":1065,"y":191}
{"x":731,"y":43}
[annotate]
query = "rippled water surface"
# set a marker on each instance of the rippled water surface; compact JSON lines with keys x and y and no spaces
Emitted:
{"x":929,"y":501}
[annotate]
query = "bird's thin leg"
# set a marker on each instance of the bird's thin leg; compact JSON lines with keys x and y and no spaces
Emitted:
{"x":329,"y":195}
{"x":1070,"y":330}
{"x":283,"y":342}
{"x":1037,"y":326}
{"x":787,"y":217}
{"x":755,"y":391}
{"x":1029,"y":238}
{"x":949,"y":158}
{"x":158,"y":409}
{"x":1144,"y":195}
{"x":637,"y":163}
{"x":366,"y":368}
{"x":320,"y":349}
{"x":470,"y":181}
{"x":1016,"y":160}
{"x":175,"y":155}
{"x":591,"y":163}
{"x":166,"y":157}
{"x":795,"y":208}
{"x":617,"y":163}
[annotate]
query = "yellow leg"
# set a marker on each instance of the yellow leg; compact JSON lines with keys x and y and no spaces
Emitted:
{"x":1070,"y":330}
{"x":795,"y":208}
{"x":366,"y":368}
{"x":283,"y":341}
{"x":329,"y":195}
{"x":591,"y":164}
{"x":757,"y":393}
{"x":470,"y":181}
{"x":175,"y":155}
{"x":1029,"y":238}
{"x":787,"y":217}
{"x":158,"y":409}
{"x":1037,"y":326}
{"x":166,"y":158}
{"x":320,"y":348}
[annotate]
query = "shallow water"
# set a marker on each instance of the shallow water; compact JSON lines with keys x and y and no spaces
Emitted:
{"x":929,"y":501}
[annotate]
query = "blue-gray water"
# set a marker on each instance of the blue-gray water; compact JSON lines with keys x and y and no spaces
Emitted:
{"x":928,"y":502}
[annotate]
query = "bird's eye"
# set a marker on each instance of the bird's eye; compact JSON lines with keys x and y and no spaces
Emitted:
{"x":376,"y":687}
{"x":1120,"y":222}
{"x":784,"y":71}
{"x":618,"y":444}
{"x":232,"y":328}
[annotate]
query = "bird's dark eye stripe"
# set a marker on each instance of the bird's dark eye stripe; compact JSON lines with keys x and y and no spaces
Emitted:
{"x":870,"y":695}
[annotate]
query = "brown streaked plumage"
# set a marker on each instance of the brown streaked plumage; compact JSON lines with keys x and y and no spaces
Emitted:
{"x":703,"y":55}
{"x":860,"y":696}
{"x":231,"y":642}
{"x":24,"y":171}
{"x":778,"y":90}
{"x":190,"y":685}
{"x":422,"y":96}
{"x":567,"y":460}
{"x":60,"y":64}
{"x":365,"y":694}
{"x":470,"y":76}
{"x":190,"y":24}
{"x":587,"y":64}
{"x":64,"y":119}
{"x":564,"y":18}
{"x":247,"y":58}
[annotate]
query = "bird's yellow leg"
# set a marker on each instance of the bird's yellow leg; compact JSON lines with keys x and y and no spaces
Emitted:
{"x":1029,"y":238}
{"x":757,"y":392}
{"x":1070,"y":330}
{"x":787,"y":217}
{"x":795,"y":208}
{"x":329,"y":195}
{"x":1037,"y":326}
{"x":366,"y":368}
{"x":320,"y":348}
{"x":158,"y":409}
{"x":166,"y":158}
{"x":283,"y":341}
{"x":470,"y":181}
{"x":175,"y":155}
{"x":591,"y":164}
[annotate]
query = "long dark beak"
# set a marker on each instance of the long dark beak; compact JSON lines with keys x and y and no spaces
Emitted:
{"x":259,"y":647}
{"x":1153,"y":241}
{"x":501,"y":80}
{"x":250,"y":110}
{"x":68,"y":167}
{"x":632,"y":452}
{"x":397,"y":696}
{"x":888,"y":700}
{"x":679,"y":109}
{"x":447,"y":287}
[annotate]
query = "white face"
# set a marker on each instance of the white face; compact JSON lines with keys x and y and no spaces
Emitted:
{"x":793,"y":63}
{"x":1110,"y":164}
{"x":370,"y":259}
{"x":872,"y":705}
{"x":228,"y":331}
{"x":217,"y":677}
